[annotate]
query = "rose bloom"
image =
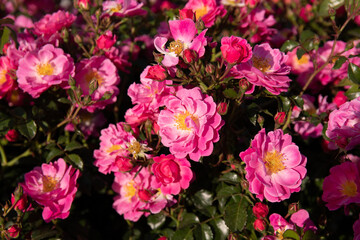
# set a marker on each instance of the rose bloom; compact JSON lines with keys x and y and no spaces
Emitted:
{"x":52,"y":23}
{"x":7,"y":76}
{"x":189,"y":124}
{"x":116,"y":142}
{"x":235,"y":50}
{"x":274,"y":165}
{"x":344,"y":125}
{"x":207,"y":10}
{"x":266,"y":68}
{"x":52,"y":185}
{"x":123,"y":8}
{"x":103,"y":72}
{"x":43,"y":68}
{"x":342,"y":186}
{"x":172,"y":174}
{"x":136,"y":195}
{"x":106,"y":40}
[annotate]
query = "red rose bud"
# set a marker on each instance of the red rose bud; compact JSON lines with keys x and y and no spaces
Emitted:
{"x":280,"y":118}
{"x":144,"y":195}
{"x":106,"y":41}
{"x":244,"y":84}
{"x":260,"y":210}
{"x":186,"y":13}
{"x":235,"y":50}
{"x":12,"y":135}
{"x":5,"y":47}
{"x":340,"y":98}
{"x":157,"y":73}
{"x":222,"y":108}
{"x":210,"y":68}
{"x":293,"y":208}
{"x":124,"y":164}
{"x":189,"y":56}
{"x":13,"y":231}
{"x":259,"y":225}
{"x":162,"y":238}
{"x":83,"y":4}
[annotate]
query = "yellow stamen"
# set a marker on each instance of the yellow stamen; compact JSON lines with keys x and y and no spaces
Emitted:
{"x":180,"y":120}
{"x":130,"y":190}
{"x":349,"y":188}
{"x":176,"y":46}
{"x":303,"y":60}
{"x":116,"y":9}
{"x":113,"y":148}
{"x":45,"y":69}
{"x":261,"y":63}
{"x":49,"y":183}
{"x":134,"y":148}
{"x":93,"y":75}
{"x":3,"y":76}
{"x":274,"y":162}
{"x":201,"y":12}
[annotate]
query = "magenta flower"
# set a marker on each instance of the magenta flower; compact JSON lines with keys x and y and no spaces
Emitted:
{"x":116,"y":142}
{"x":344,"y":125}
{"x":52,"y":185}
{"x":207,"y":10}
{"x":342,"y":186}
{"x":235,"y":50}
{"x":136,"y":195}
{"x":104,"y":72}
{"x":266,"y":68}
{"x":274,"y":165}
{"x":172,"y":174}
{"x":7,"y":76}
{"x":183,"y":32}
{"x":123,"y":8}
{"x":106,"y":40}
{"x":52,"y":23}
{"x":189,"y":124}
{"x":43,"y":68}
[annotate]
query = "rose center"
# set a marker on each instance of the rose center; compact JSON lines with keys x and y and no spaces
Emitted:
{"x":274,"y":162}
{"x":303,"y":60}
{"x":176,"y":46}
{"x":45,"y":69}
{"x":180,"y":120}
{"x":201,"y":12}
{"x":93,"y":75}
{"x":49,"y":183}
{"x":116,"y":8}
{"x":134,"y":148}
{"x":261,"y":63}
{"x":130,"y":190}
{"x":113,"y":148}
{"x":349,"y":188}
{"x":3,"y":76}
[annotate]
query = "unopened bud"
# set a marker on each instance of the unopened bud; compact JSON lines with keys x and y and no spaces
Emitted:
{"x":157,"y":73}
{"x":13,"y":231}
{"x":200,"y":25}
{"x":83,"y":4}
{"x":186,"y":13}
{"x":244,"y":184}
{"x":280,"y":118}
{"x":244,"y":84}
{"x":77,"y":38}
{"x":179,"y":73}
{"x":190,"y":56}
{"x":93,"y":85}
{"x":259,"y":225}
{"x":222,"y":108}
{"x":331,"y":11}
{"x":106,"y":96}
{"x":158,"y":57}
{"x":12,"y":135}
{"x":293,"y":208}
{"x":260,"y":120}
{"x":124,"y":164}
{"x":144,"y":195}
{"x":210,"y":68}
{"x":260,"y":210}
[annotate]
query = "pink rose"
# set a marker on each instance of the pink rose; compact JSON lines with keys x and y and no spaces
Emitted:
{"x":12,"y":135}
{"x":106,"y":41}
{"x":156,"y":72}
{"x":235,"y":50}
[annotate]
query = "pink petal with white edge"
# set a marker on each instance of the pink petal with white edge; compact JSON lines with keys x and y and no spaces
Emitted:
{"x":183,"y":30}
{"x":288,"y":177}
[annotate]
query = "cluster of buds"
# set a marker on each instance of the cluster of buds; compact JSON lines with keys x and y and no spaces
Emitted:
{"x":260,"y":211}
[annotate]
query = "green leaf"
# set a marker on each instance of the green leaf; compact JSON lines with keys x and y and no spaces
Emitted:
{"x":299,"y":101}
{"x":299,"y":53}
{"x":289,"y":45}
{"x":156,"y":221}
{"x":227,"y":191}
{"x":230,"y":177}
{"x":306,"y":35}
{"x":28,"y":129}
{"x":188,"y":219}
{"x":354,"y":73}
{"x":221,"y":231}
{"x":291,"y":234}
{"x":19,"y":112}
{"x":309,"y":235}
{"x":203,"y":199}
{"x":286,"y":103}
{"x":326,"y":4}
{"x":43,"y":233}
{"x":339,"y":62}
{"x":203,"y":232}
{"x":4,"y":37}
{"x":73,"y":145}
{"x":76,"y":160}
{"x":54,"y":152}
{"x":230,"y":93}
{"x":64,"y":100}
{"x":236,"y":214}
{"x":183,"y":234}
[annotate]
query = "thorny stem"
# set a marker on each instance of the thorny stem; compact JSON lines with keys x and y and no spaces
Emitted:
{"x":14,"y":161}
{"x":3,"y":156}
{"x":311,"y":78}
